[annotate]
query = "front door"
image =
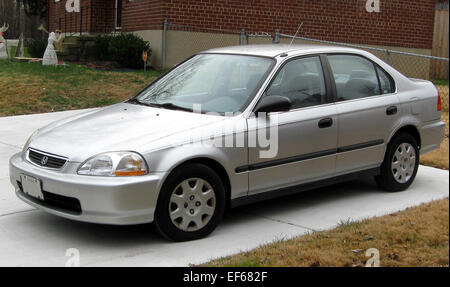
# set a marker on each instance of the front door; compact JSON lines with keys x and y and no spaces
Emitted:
{"x":305,"y":147}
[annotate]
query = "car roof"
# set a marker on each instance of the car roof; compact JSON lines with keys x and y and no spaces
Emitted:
{"x":275,"y":50}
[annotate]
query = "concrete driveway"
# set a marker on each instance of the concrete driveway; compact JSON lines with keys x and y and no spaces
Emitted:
{"x":29,"y":237}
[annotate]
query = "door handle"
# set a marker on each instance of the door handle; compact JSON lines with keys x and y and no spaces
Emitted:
{"x":325,"y":123}
{"x":392,"y":110}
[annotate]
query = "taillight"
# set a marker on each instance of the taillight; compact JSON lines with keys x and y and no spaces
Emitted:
{"x":439,"y":103}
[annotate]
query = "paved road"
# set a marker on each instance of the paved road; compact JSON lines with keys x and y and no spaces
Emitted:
{"x":29,"y":237}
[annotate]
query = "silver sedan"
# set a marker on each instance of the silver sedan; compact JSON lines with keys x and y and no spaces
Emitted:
{"x":228,"y":127}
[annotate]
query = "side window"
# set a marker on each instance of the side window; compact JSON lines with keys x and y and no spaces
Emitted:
{"x":355,"y":77}
{"x":301,"y":81}
{"x":386,"y":82}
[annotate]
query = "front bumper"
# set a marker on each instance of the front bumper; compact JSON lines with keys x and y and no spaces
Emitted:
{"x":106,"y":200}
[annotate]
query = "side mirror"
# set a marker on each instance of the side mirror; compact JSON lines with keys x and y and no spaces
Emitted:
{"x":273,"y":104}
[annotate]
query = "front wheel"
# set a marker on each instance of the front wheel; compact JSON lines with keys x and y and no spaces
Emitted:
{"x":191,"y":203}
{"x":400,"y":164}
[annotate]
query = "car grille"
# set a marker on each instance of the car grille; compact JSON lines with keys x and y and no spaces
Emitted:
{"x":45,"y":160}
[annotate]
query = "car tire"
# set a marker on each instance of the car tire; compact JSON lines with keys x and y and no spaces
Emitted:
{"x":186,"y":208}
{"x":400,"y":164}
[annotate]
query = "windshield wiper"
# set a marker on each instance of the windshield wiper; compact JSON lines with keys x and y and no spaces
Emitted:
{"x":168,"y":106}
{"x":136,"y":101}
{"x":171,"y":106}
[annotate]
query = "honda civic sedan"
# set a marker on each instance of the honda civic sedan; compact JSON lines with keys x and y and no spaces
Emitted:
{"x":228,"y":127}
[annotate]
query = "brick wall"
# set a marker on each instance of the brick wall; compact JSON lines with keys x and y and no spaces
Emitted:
{"x":401,"y":23}
{"x":95,"y":16}
{"x":142,"y":15}
{"x":102,"y":16}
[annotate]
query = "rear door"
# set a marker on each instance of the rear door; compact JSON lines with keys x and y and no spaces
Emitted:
{"x":368,"y":109}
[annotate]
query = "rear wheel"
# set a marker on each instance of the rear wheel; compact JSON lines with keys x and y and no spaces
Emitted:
{"x":400,"y":164}
{"x":191,"y":203}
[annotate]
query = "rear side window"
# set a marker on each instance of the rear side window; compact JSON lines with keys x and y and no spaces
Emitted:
{"x":301,"y":81}
{"x":386,"y":82}
{"x":356,"y":77}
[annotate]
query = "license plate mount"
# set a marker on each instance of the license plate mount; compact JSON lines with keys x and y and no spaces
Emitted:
{"x":32,"y":186}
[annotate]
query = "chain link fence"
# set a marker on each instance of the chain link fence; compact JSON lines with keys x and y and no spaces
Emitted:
{"x":181,"y":41}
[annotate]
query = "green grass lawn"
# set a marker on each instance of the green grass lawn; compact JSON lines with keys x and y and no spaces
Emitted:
{"x":438,"y":82}
{"x":33,"y":88}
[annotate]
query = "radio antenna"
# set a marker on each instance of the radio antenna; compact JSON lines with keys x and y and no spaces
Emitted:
{"x":293,"y":38}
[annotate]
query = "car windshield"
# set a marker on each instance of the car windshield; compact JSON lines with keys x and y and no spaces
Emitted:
{"x":212,"y":82}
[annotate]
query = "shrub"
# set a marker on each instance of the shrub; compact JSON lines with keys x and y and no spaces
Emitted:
{"x":36,"y":48}
{"x":101,"y":47}
{"x":127,"y":49}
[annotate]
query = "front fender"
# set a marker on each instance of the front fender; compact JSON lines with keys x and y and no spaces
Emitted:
{"x":228,"y":157}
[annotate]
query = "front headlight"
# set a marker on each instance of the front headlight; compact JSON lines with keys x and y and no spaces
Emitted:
{"x":114,"y":164}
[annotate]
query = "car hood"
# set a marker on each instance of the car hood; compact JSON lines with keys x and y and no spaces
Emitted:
{"x":115,"y":128}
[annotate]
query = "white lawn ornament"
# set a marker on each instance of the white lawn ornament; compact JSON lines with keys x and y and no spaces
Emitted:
{"x":50,"y":58}
{"x":3,"y":48}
